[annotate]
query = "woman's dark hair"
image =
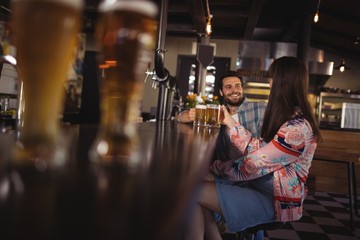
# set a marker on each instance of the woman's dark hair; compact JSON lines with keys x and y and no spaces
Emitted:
{"x":288,"y":92}
{"x":230,"y":74}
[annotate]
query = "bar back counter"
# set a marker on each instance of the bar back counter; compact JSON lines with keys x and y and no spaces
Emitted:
{"x":149,"y":199}
{"x":342,"y":147}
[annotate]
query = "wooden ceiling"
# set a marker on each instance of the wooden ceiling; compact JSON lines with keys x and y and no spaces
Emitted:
{"x":272,"y":20}
{"x":263,"y":20}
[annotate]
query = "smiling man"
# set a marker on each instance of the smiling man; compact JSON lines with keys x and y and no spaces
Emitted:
{"x":231,"y":88}
{"x":249,"y":114}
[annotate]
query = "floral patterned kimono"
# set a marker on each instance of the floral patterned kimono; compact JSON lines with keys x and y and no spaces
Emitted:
{"x":288,"y":156}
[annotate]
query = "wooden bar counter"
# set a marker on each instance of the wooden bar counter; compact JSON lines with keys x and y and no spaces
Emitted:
{"x":341,"y":146}
{"x":82,"y":200}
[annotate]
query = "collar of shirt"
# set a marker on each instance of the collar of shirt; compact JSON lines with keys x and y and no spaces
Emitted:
{"x":243,"y":105}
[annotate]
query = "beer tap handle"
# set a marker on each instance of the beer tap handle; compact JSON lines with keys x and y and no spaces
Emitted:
{"x":148,"y":73}
{"x":154,"y":84}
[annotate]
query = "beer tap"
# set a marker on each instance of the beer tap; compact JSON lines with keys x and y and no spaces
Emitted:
{"x":161,"y":74}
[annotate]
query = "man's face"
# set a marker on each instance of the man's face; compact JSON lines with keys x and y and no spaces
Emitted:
{"x":232,"y":91}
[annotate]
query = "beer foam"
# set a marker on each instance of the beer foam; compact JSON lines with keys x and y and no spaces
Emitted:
{"x":78,"y":4}
{"x":140,"y":6}
{"x":200,"y":106}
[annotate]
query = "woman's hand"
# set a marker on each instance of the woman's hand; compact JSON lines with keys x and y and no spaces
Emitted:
{"x":227,"y":118}
{"x":210,"y":177}
{"x":192,"y":114}
{"x":186,"y":116}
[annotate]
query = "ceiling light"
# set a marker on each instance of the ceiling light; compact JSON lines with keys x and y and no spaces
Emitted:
{"x":342,"y":67}
{"x":208,"y":29}
{"x":316,"y":17}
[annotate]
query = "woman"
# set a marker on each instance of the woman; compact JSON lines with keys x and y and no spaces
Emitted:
{"x":269,"y":182}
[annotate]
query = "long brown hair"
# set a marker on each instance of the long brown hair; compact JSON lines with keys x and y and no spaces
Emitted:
{"x":288,"y":92}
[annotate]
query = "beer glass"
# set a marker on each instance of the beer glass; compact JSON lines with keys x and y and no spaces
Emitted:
{"x":200,"y":114}
{"x":213,"y":115}
{"x":125,"y":34}
{"x":45,"y":37}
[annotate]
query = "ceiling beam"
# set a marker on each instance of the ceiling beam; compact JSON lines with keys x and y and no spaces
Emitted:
{"x":198,"y":15}
{"x":255,"y":10}
{"x":185,"y":28}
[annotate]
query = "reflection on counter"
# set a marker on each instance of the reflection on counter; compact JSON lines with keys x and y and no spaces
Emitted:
{"x":86,"y":200}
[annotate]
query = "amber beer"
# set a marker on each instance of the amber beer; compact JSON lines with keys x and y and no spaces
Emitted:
{"x":213,"y":115}
{"x":45,"y":35}
{"x":125,"y":34}
{"x":200,"y":115}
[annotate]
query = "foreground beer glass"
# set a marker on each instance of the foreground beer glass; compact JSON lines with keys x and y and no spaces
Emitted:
{"x":212,"y":115}
{"x":125,"y":34}
{"x":45,"y":35}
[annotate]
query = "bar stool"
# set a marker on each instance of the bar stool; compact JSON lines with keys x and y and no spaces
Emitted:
{"x":249,"y":233}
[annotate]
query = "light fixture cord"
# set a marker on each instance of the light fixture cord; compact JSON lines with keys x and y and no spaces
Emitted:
{"x":318,"y":5}
{"x":208,"y":9}
{"x":5,"y":8}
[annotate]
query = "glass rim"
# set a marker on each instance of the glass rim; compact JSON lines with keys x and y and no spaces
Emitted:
{"x":200,"y":106}
{"x":141,"y":6}
{"x":212,"y":105}
{"x":78,"y":4}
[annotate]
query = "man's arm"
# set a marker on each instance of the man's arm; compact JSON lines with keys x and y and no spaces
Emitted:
{"x":186,"y":116}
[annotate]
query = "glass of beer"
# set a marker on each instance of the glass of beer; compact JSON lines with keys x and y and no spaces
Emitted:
{"x":45,"y":36}
{"x":126,"y":36}
{"x":200,"y":115}
{"x":213,"y":115}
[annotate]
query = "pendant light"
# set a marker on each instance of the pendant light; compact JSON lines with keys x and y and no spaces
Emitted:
{"x":342,"y":67}
{"x":316,"y":17}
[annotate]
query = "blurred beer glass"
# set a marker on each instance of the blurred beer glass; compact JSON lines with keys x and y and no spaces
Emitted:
{"x":125,"y":33}
{"x":45,"y":36}
{"x":200,"y":111}
{"x":200,"y":115}
{"x":213,"y":115}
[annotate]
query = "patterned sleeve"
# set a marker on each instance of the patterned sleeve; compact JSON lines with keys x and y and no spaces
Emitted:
{"x":260,"y":159}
